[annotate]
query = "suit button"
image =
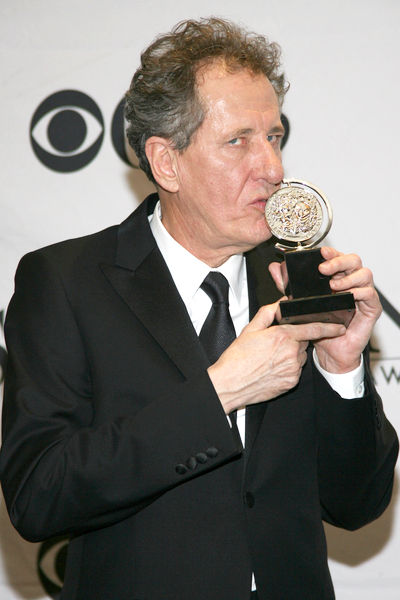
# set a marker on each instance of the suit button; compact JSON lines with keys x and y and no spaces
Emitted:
{"x":212,"y":452}
{"x":181,"y":469}
{"x":192,"y":463}
{"x":249,"y":499}
{"x":201,"y":458}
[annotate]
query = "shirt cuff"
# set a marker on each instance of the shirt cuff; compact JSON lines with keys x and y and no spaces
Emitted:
{"x":347,"y":385}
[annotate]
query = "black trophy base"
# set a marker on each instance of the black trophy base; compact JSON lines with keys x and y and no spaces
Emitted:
{"x":329,"y":308}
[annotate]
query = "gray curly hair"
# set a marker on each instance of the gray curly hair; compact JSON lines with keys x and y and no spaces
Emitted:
{"x":162,"y":99}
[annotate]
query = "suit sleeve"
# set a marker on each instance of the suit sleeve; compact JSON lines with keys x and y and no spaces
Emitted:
{"x":357,"y":452}
{"x":60,"y":472}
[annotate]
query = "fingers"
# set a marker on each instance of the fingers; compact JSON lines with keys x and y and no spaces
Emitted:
{"x":299,"y":333}
{"x":264,"y":317}
{"x":302,"y":352}
{"x":349,"y":275}
{"x":346,"y":271}
{"x":315,"y":331}
{"x":329,"y":252}
{"x":360,"y":278}
{"x":366,"y":294}
{"x":368,"y":302}
{"x":336,"y":263}
{"x":279,"y":274}
{"x":303,"y":358}
{"x":302,"y":355}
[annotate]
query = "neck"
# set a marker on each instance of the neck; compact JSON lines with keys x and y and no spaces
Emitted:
{"x":198,"y":241}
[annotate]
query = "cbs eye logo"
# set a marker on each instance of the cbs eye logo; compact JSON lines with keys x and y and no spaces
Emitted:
{"x":67,"y":131}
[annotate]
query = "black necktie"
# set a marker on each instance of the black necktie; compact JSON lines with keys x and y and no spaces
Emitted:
{"x":218,"y":330}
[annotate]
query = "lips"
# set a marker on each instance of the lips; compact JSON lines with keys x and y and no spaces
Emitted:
{"x":259,"y":203}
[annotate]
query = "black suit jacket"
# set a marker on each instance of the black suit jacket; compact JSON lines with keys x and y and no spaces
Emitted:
{"x":113,"y":433}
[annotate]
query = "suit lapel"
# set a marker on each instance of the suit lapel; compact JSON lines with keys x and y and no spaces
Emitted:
{"x":142,"y":279}
{"x":262,"y":290}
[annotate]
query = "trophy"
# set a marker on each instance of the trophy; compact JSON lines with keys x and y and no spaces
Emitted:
{"x":300,"y":216}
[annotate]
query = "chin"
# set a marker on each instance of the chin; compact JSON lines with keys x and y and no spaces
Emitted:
{"x":249,"y":237}
{"x":260,"y":235}
{"x":254,"y":241}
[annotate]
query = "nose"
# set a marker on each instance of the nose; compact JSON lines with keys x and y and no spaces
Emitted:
{"x":268,"y":163}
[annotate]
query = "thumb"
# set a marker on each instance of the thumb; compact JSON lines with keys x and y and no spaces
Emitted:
{"x":279,"y":274}
{"x":265,"y":316}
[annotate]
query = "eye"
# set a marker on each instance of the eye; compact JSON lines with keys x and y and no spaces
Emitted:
{"x":274,"y":138}
{"x":237,"y":141}
{"x":67,"y":131}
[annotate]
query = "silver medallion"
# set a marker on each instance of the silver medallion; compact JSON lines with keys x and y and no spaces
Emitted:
{"x":298,"y":213}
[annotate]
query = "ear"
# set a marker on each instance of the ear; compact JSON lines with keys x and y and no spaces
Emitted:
{"x":161,"y":156}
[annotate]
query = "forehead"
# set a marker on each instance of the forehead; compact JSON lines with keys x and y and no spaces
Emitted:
{"x":225,"y":93}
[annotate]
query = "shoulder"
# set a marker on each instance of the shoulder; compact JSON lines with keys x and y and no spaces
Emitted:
{"x":99,"y":247}
{"x":72,"y":253}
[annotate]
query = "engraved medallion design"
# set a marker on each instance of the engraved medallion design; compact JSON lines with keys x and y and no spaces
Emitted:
{"x":298,"y":214}
{"x":293,"y":214}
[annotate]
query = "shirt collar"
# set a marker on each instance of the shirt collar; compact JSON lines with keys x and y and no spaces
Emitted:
{"x":187,"y":271}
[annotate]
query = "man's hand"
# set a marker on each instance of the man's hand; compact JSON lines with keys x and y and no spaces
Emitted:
{"x":265,"y":361}
{"x":342,"y":354}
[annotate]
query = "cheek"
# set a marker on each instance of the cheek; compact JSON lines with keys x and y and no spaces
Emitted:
{"x":198,"y":176}
{"x":215,"y":185}
{"x":227,"y":179}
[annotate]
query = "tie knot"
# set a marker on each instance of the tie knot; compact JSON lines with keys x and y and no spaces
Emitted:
{"x":216,"y":286}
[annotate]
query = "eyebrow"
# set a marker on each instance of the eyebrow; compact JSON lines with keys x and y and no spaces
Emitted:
{"x":278,"y":129}
{"x":240,"y":132}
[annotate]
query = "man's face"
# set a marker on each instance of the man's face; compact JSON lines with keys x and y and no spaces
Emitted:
{"x":232,"y":165}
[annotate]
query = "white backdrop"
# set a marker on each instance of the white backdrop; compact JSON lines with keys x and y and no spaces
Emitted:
{"x":342,"y":59}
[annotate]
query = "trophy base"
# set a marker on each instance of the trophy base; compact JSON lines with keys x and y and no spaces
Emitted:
{"x":330,"y":308}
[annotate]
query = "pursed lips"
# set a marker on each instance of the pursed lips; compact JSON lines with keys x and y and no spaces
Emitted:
{"x":259,"y":203}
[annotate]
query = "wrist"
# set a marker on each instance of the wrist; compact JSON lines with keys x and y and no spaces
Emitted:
{"x":347,"y":385}
{"x":222,"y":388}
{"x":336,"y":367}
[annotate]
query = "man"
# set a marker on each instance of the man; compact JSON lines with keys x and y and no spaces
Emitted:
{"x":116,"y":420}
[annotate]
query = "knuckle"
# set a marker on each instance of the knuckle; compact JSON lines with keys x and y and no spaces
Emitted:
{"x":315,"y":330}
{"x":367,"y":274}
{"x":264,"y":310}
{"x":282,"y":335}
{"x":356,"y":259}
{"x":371,"y":292}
